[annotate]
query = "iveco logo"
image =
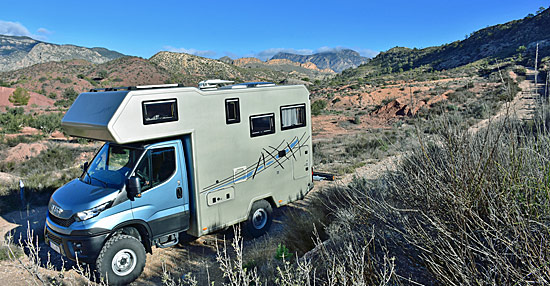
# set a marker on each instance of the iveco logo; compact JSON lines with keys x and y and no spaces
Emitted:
{"x":56,"y":210}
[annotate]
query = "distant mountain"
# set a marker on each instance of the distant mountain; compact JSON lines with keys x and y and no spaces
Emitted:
{"x":336,"y":61}
{"x":20,"y":52}
{"x":308,"y":69}
{"x":189,"y":68}
{"x":516,"y":39}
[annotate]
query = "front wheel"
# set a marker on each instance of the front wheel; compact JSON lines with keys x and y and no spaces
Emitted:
{"x":259,"y":219}
{"x":121,"y":260}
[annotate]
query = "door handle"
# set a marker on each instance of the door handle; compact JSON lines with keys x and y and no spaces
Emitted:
{"x":179,"y":192}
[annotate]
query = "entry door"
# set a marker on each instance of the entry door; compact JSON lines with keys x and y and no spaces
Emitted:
{"x":164,"y":201}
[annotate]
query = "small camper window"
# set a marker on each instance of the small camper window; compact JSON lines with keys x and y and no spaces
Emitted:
{"x":159,"y":111}
{"x":293,"y":116}
{"x":232,"y":112}
{"x":262,"y":124}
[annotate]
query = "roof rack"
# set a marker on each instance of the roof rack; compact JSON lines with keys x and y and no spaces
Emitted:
{"x":137,"y":87}
{"x":213,"y":83}
{"x":248,"y":85}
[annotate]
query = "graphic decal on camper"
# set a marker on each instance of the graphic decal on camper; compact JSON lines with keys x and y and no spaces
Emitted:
{"x":269,"y":157}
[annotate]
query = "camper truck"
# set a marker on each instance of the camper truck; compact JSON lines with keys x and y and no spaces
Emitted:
{"x":178,"y":162}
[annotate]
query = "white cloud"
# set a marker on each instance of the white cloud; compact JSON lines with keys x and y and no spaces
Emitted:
{"x":267,"y":54}
{"x":367,"y":53}
{"x":200,"y":53}
{"x":13,"y":29}
{"x":17,"y":29}
{"x":44,"y":31}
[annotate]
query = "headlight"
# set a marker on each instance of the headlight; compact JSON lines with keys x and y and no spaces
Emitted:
{"x":88,"y":214}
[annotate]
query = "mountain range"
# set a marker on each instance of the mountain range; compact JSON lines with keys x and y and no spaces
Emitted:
{"x":20,"y":52}
{"x":337,"y":61}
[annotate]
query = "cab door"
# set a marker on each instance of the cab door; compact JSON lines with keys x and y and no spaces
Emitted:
{"x":164,"y":201}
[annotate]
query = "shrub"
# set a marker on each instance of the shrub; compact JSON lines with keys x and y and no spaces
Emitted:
{"x":20,"y":97}
{"x":475,"y":206}
{"x":47,"y":123}
{"x":318,"y":106}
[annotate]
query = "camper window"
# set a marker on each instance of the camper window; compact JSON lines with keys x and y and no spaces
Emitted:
{"x":293,"y":116}
{"x":232,"y":112}
{"x":262,"y":124}
{"x":159,"y":111}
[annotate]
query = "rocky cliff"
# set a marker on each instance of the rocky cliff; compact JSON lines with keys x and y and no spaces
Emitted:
{"x":21,"y":52}
{"x":337,"y":61}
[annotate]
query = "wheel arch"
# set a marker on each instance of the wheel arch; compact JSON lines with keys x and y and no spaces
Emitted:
{"x":130,"y":227}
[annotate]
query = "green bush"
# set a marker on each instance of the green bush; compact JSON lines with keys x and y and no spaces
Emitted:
{"x":318,"y":106}
{"x":20,"y":97}
{"x":13,"y":119}
{"x":47,"y":123}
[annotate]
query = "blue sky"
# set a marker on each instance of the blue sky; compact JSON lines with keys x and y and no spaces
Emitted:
{"x":255,"y":28}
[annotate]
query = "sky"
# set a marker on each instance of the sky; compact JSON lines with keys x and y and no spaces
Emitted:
{"x":260,"y":29}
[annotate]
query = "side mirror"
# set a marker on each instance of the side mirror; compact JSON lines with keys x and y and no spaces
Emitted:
{"x":134,"y":188}
{"x":85,"y":166}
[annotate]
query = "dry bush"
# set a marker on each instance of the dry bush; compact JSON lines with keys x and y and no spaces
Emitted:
{"x":476,"y":207}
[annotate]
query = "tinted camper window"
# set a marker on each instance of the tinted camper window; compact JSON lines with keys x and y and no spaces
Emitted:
{"x":293,"y":116}
{"x":159,"y":111}
{"x":232,"y":112}
{"x":262,"y":124}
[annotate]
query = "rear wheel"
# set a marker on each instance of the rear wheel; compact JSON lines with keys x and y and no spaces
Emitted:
{"x":121,"y":260}
{"x":259,"y":219}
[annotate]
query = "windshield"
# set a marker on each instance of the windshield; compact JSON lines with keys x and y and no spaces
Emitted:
{"x":111,"y":166}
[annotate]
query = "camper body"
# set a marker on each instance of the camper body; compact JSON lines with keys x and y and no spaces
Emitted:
{"x":178,"y":162}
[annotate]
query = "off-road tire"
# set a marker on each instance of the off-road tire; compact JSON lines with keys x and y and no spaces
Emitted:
{"x":259,"y":220}
{"x":122,"y":247}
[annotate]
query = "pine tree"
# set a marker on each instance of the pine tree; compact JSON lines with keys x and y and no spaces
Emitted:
{"x":20,"y":97}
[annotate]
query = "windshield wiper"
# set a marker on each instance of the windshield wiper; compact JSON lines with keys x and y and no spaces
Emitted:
{"x":92,"y":178}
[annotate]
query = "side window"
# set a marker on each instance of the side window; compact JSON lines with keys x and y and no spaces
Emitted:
{"x":232,"y":111}
{"x":262,"y":124}
{"x":157,"y":166}
{"x":158,"y":111}
{"x":293,"y":116}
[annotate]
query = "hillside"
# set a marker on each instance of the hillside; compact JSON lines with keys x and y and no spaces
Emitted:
{"x":20,"y":52}
{"x":336,"y":61}
{"x":517,"y":39}
{"x":191,"y":69}
{"x":54,"y":78}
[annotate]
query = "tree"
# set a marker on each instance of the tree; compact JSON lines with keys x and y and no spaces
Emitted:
{"x":540,"y":10}
{"x":20,"y":97}
{"x":521,"y":49}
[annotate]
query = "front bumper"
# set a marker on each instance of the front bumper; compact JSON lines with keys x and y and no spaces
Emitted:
{"x":84,"y":248}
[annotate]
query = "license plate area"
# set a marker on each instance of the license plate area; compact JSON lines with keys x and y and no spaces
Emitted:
{"x":55,"y":247}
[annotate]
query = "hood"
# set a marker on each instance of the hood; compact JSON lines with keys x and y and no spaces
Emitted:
{"x":77,"y":196}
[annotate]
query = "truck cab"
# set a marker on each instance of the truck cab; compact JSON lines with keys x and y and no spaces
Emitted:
{"x":140,"y":189}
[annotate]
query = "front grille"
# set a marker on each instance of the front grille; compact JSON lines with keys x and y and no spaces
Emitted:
{"x":53,"y":237}
{"x":61,"y":221}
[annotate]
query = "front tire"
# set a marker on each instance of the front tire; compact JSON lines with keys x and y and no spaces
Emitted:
{"x":121,"y":260}
{"x":260,"y":219}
